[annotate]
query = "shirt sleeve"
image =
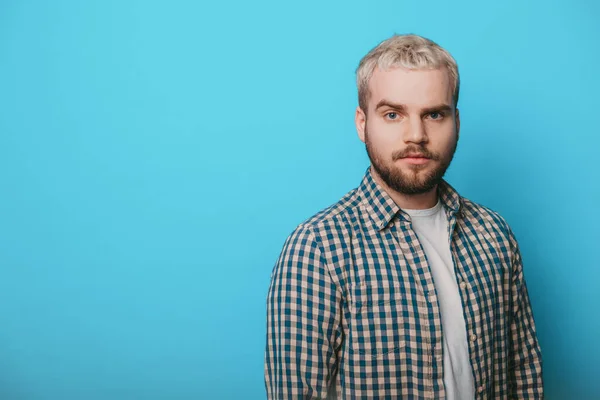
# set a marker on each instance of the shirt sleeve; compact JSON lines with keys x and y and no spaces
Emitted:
{"x":525,"y":364}
{"x":303,"y":322}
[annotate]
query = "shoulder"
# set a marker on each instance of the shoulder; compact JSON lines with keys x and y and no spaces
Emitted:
{"x":485,"y":217}
{"x":332,"y":221}
{"x":491,"y":224}
{"x":480,"y":220}
{"x":312,"y":248}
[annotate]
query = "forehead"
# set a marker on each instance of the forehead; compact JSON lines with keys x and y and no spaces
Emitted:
{"x":413,"y":88}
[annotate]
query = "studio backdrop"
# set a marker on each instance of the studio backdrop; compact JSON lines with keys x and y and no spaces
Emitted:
{"x":154,"y":156}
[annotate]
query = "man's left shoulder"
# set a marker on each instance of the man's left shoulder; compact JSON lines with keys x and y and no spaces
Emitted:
{"x":485,"y":219}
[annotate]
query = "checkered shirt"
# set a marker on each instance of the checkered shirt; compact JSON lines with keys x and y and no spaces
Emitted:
{"x":352,"y":310}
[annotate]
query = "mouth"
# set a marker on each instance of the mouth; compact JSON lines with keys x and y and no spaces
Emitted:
{"x":416,"y":159}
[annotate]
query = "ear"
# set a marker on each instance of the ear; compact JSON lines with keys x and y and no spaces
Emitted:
{"x":360,"y":120}
{"x":457,"y":123}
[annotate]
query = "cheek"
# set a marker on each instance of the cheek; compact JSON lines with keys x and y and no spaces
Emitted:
{"x":442,"y":137}
{"x":384,"y":133}
{"x":379,"y":145}
{"x":382,"y":145}
{"x":446,"y":148}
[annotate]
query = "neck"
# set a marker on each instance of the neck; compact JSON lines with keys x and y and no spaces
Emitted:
{"x":419,"y":201}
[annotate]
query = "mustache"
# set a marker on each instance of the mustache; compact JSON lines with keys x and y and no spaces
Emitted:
{"x":415,"y":151}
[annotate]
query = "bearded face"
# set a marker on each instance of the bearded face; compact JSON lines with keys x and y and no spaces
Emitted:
{"x":410,"y":129}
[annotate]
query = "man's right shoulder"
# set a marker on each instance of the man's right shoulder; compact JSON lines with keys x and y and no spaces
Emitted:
{"x":334,"y":218}
{"x":324,"y":237}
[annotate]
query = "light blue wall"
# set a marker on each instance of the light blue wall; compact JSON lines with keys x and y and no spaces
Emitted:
{"x":155,"y":155}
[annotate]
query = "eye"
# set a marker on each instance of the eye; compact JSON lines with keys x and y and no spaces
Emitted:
{"x":392,"y":115}
{"x":435,"y":115}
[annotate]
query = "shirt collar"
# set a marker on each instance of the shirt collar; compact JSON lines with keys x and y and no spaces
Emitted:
{"x":382,"y":209}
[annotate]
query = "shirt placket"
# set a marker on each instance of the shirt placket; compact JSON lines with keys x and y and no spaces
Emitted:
{"x":468,"y":300}
{"x":430,"y":322}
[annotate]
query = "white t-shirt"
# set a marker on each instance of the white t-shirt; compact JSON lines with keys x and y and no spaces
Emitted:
{"x":431,"y":227}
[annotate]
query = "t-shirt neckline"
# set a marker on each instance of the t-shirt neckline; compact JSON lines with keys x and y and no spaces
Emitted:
{"x":426,"y":212}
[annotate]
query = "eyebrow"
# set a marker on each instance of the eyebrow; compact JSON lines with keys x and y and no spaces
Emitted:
{"x":384,"y":103}
{"x":402,"y":107}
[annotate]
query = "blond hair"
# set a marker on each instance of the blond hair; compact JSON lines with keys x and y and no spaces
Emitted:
{"x":407,"y":51}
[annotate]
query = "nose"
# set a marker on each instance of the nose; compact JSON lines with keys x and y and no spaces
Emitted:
{"x":415,"y":132}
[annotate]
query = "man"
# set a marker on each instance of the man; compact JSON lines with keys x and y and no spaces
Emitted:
{"x":403,"y":289}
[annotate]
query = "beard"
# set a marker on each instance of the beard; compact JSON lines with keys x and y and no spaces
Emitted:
{"x":415,"y":179}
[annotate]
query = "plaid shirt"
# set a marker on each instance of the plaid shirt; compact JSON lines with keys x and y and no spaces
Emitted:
{"x":352,"y":310}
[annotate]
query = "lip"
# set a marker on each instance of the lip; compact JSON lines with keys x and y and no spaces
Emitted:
{"x":417,"y":160}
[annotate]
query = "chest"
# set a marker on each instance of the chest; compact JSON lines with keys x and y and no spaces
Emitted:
{"x":391,"y":295}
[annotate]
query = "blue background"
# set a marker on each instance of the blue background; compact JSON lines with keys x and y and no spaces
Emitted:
{"x":155,"y":155}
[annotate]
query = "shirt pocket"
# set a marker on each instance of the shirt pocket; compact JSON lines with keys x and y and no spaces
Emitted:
{"x":377,"y":314}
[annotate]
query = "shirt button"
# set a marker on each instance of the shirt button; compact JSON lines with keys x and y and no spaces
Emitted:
{"x":473,"y":338}
{"x":480,"y":389}
{"x":463,"y":284}
{"x":430,"y":296}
